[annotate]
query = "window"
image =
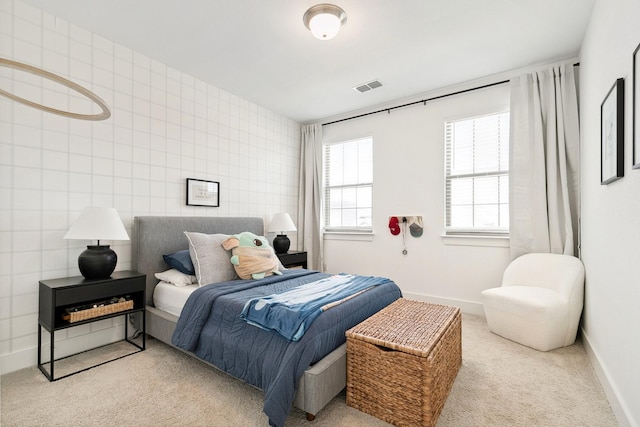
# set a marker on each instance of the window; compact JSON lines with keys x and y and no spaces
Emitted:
{"x":477,"y":175}
{"x":348,"y":186}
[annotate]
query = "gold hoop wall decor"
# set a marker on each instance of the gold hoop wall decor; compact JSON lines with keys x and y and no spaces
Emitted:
{"x":104,"y":115}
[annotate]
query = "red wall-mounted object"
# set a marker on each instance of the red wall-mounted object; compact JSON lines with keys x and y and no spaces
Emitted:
{"x":394,"y":225}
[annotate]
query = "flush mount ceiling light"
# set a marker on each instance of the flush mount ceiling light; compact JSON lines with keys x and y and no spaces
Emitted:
{"x":324,"y":20}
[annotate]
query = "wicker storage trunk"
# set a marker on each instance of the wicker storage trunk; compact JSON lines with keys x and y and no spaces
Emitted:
{"x":402,"y":361}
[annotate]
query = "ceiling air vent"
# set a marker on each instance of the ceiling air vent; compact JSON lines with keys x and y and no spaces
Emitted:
{"x":368,"y":86}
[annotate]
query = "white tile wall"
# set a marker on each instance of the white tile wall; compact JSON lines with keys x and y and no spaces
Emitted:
{"x":165,"y":126}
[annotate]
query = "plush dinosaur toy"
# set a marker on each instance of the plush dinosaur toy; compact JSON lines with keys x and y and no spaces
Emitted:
{"x":252,"y":257}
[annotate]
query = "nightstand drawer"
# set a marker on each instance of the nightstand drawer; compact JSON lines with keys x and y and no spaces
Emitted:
{"x":98,"y":291}
{"x":293,"y":259}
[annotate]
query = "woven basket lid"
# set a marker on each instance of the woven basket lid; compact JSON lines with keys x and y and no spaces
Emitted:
{"x":413,"y":327}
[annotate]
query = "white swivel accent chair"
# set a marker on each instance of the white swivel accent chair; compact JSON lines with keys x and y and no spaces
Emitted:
{"x":540,"y":301}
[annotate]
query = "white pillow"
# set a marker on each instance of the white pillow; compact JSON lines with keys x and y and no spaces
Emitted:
{"x":211,"y":262}
{"x":176,"y":277}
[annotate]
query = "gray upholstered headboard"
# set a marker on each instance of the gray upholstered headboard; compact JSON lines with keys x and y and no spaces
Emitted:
{"x":154,"y":236}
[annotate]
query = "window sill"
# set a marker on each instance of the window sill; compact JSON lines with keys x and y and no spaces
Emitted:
{"x":470,"y":240}
{"x":361,"y":237}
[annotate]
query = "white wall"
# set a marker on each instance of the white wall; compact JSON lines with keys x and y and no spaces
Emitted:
{"x":611,"y":213}
{"x":166,"y":126}
{"x":409,"y":180}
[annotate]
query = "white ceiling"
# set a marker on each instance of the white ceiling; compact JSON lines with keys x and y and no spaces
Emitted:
{"x":260,"y":50}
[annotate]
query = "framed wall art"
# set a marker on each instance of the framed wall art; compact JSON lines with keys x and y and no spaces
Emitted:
{"x":635,"y":161}
{"x":612,"y":134}
{"x":203,"y":193}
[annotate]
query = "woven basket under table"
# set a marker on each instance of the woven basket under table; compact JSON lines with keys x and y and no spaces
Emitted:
{"x":103,"y":310}
{"x":402,"y":362}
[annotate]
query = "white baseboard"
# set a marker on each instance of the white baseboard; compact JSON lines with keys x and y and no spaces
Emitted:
{"x":19,"y":360}
{"x":470,"y":307}
{"x":29,"y":357}
{"x":618,"y":405}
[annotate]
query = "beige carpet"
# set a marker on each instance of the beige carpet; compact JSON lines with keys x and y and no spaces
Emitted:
{"x":500,"y":384}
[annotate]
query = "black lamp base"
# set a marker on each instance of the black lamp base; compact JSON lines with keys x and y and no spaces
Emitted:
{"x":281,"y":244}
{"x":97,"y":262}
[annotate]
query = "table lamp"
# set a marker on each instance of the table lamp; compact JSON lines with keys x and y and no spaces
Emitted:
{"x":97,"y":261}
{"x":280,"y":223}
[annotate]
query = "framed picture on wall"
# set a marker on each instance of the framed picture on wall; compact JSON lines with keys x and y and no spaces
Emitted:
{"x":636,"y":99}
{"x":612,"y":134}
{"x":203,"y":193}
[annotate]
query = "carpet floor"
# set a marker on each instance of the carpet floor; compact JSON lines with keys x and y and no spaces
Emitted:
{"x":500,"y":383}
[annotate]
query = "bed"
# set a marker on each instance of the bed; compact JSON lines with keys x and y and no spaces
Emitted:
{"x":313,"y":379}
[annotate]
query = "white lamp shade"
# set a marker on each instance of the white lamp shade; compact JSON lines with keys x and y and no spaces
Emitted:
{"x":96,"y":223}
{"x":280,"y":223}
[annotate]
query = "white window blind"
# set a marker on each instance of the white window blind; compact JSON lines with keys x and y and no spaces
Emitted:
{"x":348,"y":186}
{"x":477,"y":175}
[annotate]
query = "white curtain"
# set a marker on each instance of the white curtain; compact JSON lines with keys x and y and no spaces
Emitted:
{"x":544,"y":177}
{"x":310,"y":195}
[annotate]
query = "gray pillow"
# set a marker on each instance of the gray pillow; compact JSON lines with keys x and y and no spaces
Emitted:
{"x":211,"y":261}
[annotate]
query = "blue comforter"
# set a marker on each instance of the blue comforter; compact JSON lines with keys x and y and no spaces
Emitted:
{"x":210,"y":326}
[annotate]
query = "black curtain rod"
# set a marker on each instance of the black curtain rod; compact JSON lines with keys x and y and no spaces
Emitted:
{"x":423,"y":101}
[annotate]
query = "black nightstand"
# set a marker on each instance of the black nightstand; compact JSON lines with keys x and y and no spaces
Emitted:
{"x":293,"y":259}
{"x":58,"y":297}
